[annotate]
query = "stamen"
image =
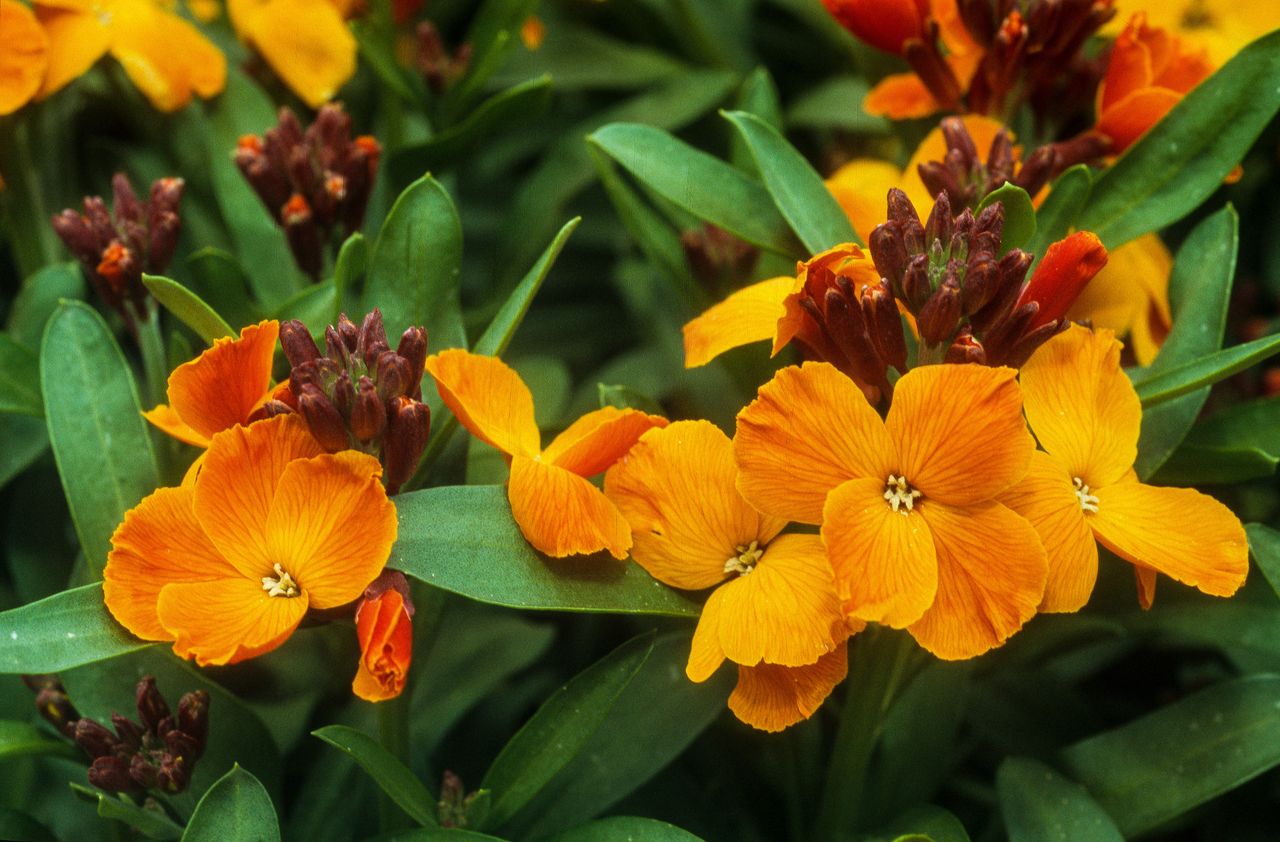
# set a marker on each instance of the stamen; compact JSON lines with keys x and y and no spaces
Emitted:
{"x":1088,"y":502}
{"x":745,"y":561}
{"x":281,"y":584}
{"x":900,"y":495}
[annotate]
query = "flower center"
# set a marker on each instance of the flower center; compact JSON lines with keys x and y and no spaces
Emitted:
{"x":1088,"y":502}
{"x":899,"y":494}
{"x":281,"y":584}
{"x":745,"y":561}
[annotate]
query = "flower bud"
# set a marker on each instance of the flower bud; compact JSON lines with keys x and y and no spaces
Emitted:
{"x":884,"y":24}
{"x":95,"y":739}
{"x":56,"y":708}
{"x":368,"y":412}
{"x":393,"y":375}
{"x":193,"y":718}
{"x":323,"y":419}
{"x":111,"y":773}
{"x":295,"y":339}
{"x":372,"y":340}
{"x":142,"y":772}
{"x":152,"y":708}
{"x":131,"y":734}
{"x":1067,"y":266}
{"x":408,"y":423}
{"x":413,"y":348}
{"x":302,"y":231}
{"x":940,"y":315}
{"x":385,"y":633}
{"x":884,"y":325}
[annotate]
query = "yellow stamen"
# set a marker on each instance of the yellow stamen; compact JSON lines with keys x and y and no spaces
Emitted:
{"x":281,"y":584}
{"x":1088,"y":502}
{"x":900,"y":496}
{"x":745,"y":561}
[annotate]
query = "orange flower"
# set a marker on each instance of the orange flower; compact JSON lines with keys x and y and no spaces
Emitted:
{"x":24,"y":55}
{"x":1224,"y":27}
{"x":774,"y":610}
{"x":907,"y":504}
{"x":885,"y":24}
{"x":902,"y":96}
{"x":1086,"y":415}
{"x":227,"y":567}
{"x":1149,"y":73}
{"x":1131,"y":296}
{"x":306,"y":42}
{"x":224,"y":386}
{"x":167,"y":58}
{"x":557,"y":509}
{"x":385,"y":630}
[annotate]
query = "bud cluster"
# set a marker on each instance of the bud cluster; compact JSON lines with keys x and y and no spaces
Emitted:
{"x":360,"y":394}
{"x":160,"y":753}
{"x":438,"y":67}
{"x":457,"y":807}
{"x":116,"y":247}
{"x":314,"y":181}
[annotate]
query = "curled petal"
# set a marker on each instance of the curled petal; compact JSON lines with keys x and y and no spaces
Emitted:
{"x":598,"y":439}
{"x":749,"y":315}
{"x":488,"y":398}
{"x":771,"y":698}
{"x":561,"y":514}
{"x":900,"y":96}
{"x":1066,"y":268}
{"x":385,"y":633}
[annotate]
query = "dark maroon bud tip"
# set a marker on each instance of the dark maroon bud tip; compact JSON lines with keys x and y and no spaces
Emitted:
{"x":368,"y":413}
{"x":413,"y":348}
{"x":193,"y":718}
{"x":323,"y":419}
{"x":95,"y":739}
{"x":299,"y":347}
{"x":372,"y":340}
{"x":112,"y":774}
{"x":152,"y":708}
{"x":408,"y":424}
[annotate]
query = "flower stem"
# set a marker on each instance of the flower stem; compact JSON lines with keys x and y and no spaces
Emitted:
{"x":879,"y":666}
{"x":393,"y":734}
{"x":155,"y":367}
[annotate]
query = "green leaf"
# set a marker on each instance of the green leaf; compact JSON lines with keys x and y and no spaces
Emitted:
{"x":395,"y":779}
{"x":1246,"y":436}
{"x":797,"y":190}
{"x":353,"y":260}
{"x":490,"y":37}
{"x":579,"y":58}
{"x":99,"y":438}
{"x":39,"y":297}
{"x":415,"y":266}
{"x":236,"y":807}
{"x":626,"y":829}
{"x":557,"y":732}
{"x":1019,"y":215}
{"x":448,"y":533}
{"x":703,"y":185}
{"x":1184,"y":158}
{"x":151,"y":823}
{"x":1203,"y":272}
{"x":624,"y":397}
{"x":1205,"y":371}
{"x":1039,"y":805}
{"x":1196,"y":464}
{"x":379,"y":54}
{"x":926,"y":823}
{"x":836,"y":104}
{"x":1180,"y":756}
{"x":60,"y":632}
{"x":314,"y":306}
{"x":22,"y":739}
{"x":1264,"y":545}
{"x":221,"y":282}
{"x":19,"y":379}
{"x":1057,"y":214}
{"x":759,"y":96}
{"x":25,"y":440}
{"x":188,"y":308}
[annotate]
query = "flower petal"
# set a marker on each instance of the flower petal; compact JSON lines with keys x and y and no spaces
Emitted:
{"x":76,"y":40}
{"x":1131,"y":117}
{"x":561,"y":514}
{"x":809,"y":430}
{"x":1081,"y":405}
{"x":771,"y":697}
{"x":385,"y":633}
{"x":749,"y":315}
{"x":225,"y":621}
{"x":785,"y":611}
{"x":991,"y":576}
{"x":900,"y":96}
{"x":1176,"y":531}
{"x":488,"y":398}
{"x":959,"y":431}
{"x":598,"y":439}
{"x":331,"y":526}
{"x":861,"y":187}
{"x":705,"y":654}
{"x":221,"y":388}
{"x":24,"y":56}
{"x":235,"y":488}
{"x":676,"y":489}
{"x":307,"y":44}
{"x":1131,"y":296}
{"x":159,"y":542}
{"x":169,"y":422}
{"x":884,"y":561}
{"x":165,"y":57}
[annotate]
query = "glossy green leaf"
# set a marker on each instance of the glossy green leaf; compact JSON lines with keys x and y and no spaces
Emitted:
{"x":18,"y":825}
{"x":395,"y":779}
{"x":448,"y":533}
{"x":151,"y":823}
{"x":1264,"y":546}
{"x":1019,"y":215}
{"x":1246,"y":437}
{"x":561,"y":727}
{"x":1184,"y":158}
{"x":415,"y":266}
{"x":836,"y":104}
{"x":314,"y":306}
{"x":99,"y":438}
{"x":703,"y":185}
{"x":1200,"y":286}
{"x":62,"y":631}
{"x":759,"y":96}
{"x":188,"y":308}
{"x":222,"y":283}
{"x":1039,"y":805}
{"x":1230,"y":626}
{"x":25,"y":440}
{"x":926,"y":823}
{"x":1196,"y":464}
{"x":1174,"y":759}
{"x":236,"y":807}
{"x":22,"y":739}
{"x":1205,"y":371}
{"x":626,"y":829}
{"x":1057,"y":215}
{"x":797,"y":189}
{"x":39,"y":297}
{"x":353,"y":260}
{"x":19,"y":379}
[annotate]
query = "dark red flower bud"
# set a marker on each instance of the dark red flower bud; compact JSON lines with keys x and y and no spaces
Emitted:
{"x":323,"y":419}
{"x":152,"y":708}
{"x":56,"y":708}
{"x":131,"y":735}
{"x":299,"y":347}
{"x":142,"y":771}
{"x":372,"y":340}
{"x":95,"y":739}
{"x":368,"y":413}
{"x":940,"y":315}
{"x":111,"y":773}
{"x":393,"y":375}
{"x":413,"y":348}
{"x":408,"y":423}
{"x":1061,"y":275}
{"x":303,"y":234}
{"x":193,"y":718}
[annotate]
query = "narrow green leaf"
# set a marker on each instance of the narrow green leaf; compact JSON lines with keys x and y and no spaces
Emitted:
{"x":797,"y":189}
{"x":580,"y":58}
{"x":626,"y":829}
{"x":188,"y":308}
{"x":1184,"y":158}
{"x":99,"y":438}
{"x":1196,"y":464}
{"x":151,"y":823}
{"x":490,"y":36}
{"x":39,"y":297}
{"x":1180,"y":756}
{"x":1056,"y":216}
{"x":379,"y":54}
{"x":395,"y":779}
{"x":759,"y":96}
{"x":222,"y":283}
{"x":415,"y":266}
{"x":353,"y":260}
{"x":236,"y":807}
{"x":1205,"y":371}
{"x":62,"y":631}
{"x":22,"y":739}
{"x":448,"y":533}
{"x":1203,"y":273}
{"x":19,"y":379}
{"x":1039,"y":805}
{"x":703,"y":185}
{"x":557,"y":732}
{"x":1019,"y":215}
{"x":1252,"y":427}
{"x":836,"y":104}
{"x":1264,"y":546}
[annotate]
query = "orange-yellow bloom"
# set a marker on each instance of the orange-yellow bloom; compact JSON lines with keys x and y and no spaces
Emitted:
{"x":885,"y":24}
{"x":224,"y":386}
{"x":1086,"y":415}
{"x":1222,"y":27}
{"x":774,"y":610}
{"x":226,"y":567}
{"x":902,"y":96}
{"x":1149,"y":72}
{"x":166,"y":57}
{"x":1131,"y":296}
{"x":908,"y":504}
{"x":306,"y":42}
{"x":557,"y":509}
{"x":385,"y":630}
{"x":24,"y":55}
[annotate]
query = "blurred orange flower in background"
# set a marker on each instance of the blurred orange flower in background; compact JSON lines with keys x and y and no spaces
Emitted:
{"x":24,"y":55}
{"x":885,"y":24}
{"x":306,"y":42}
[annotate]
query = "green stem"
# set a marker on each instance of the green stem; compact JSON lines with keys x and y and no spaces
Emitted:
{"x":31,"y":236}
{"x":879,"y":665}
{"x":393,"y":734}
{"x":155,"y":367}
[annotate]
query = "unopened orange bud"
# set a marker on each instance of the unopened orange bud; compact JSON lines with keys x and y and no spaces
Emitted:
{"x":249,"y":143}
{"x":1061,"y":276}
{"x":385,"y":632}
{"x":296,"y":210}
{"x":116,"y":264}
{"x":885,"y":24}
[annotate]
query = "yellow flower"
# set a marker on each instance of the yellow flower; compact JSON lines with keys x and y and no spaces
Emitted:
{"x":1223,"y":27}
{"x":24,"y":55}
{"x":1131,"y":296}
{"x":306,"y":42}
